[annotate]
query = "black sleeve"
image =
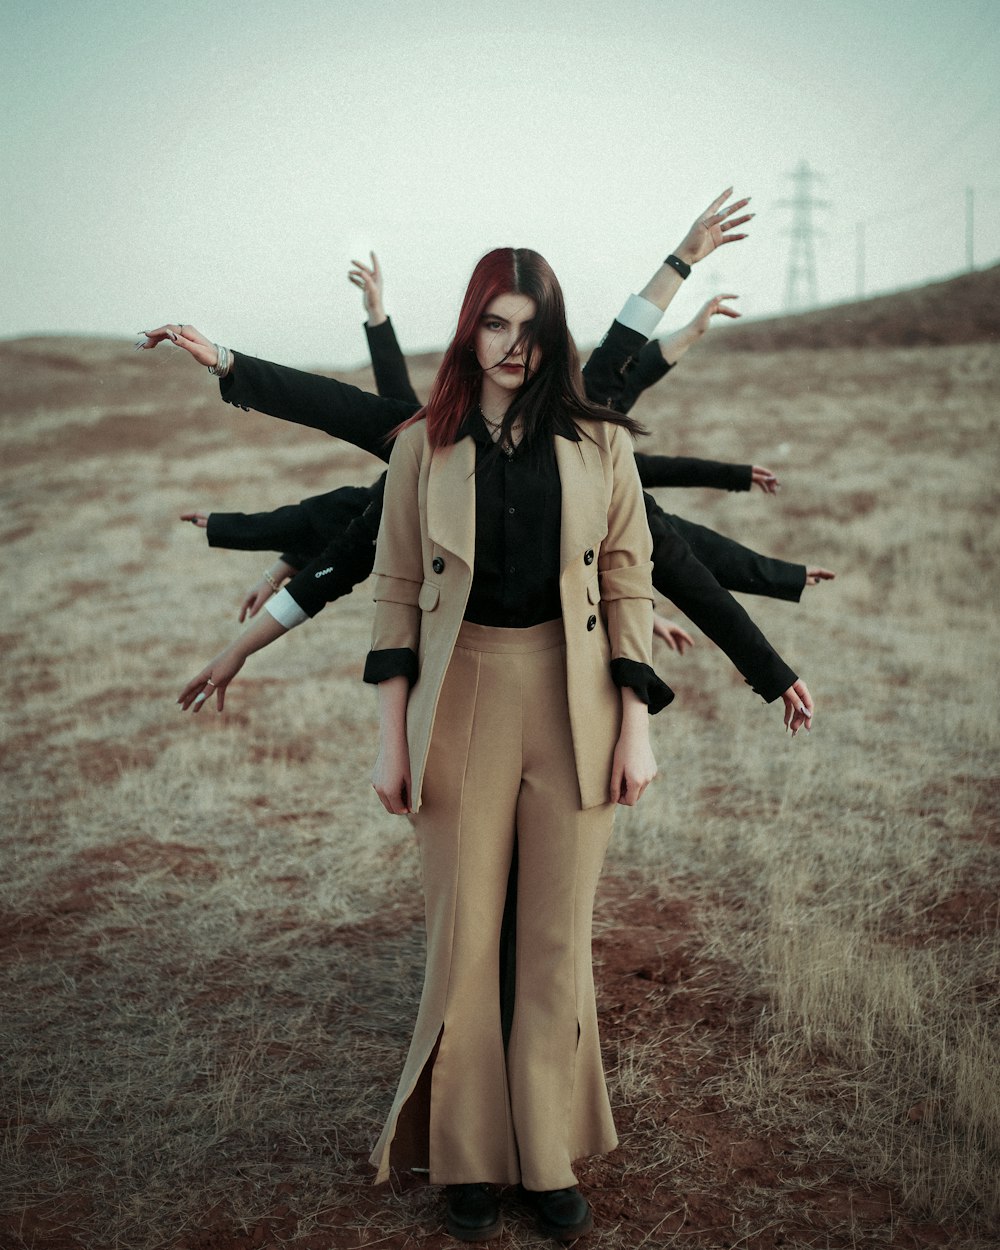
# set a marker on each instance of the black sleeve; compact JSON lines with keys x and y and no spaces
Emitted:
{"x":321,"y":403}
{"x":346,"y":560}
{"x":740,"y":568}
{"x":392,"y":379}
{"x":262,"y":531}
{"x":688,"y":584}
{"x":649,"y":367}
{"x":605,"y":373}
{"x":650,"y":688}
{"x":690,"y":471}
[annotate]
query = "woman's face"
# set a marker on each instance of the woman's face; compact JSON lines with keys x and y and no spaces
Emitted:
{"x":499,"y":341}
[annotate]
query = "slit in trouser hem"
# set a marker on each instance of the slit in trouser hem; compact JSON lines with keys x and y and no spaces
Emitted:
{"x":408,"y":1147}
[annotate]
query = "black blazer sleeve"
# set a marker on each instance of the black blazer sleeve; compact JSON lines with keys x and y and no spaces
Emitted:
{"x":287,"y":527}
{"x":690,"y":471}
{"x":605,"y":373}
{"x":684,"y":580}
{"x":739,"y":568}
{"x":321,"y":403}
{"x":392,"y":379}
{"x":647,"y":370}
{"x":347,"y":559}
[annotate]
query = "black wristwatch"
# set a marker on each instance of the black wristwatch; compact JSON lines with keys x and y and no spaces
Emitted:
{"x":675,"y":262}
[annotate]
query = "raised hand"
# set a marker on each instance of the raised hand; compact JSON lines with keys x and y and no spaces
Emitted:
{"x":712,"y":228}
{"x":713,"y":308}
{"x":798,"y":707}
{"x":671,"y":633}
{"x":186,"y":336}
{"x":816,"y":575}
{"x":368,"y":279}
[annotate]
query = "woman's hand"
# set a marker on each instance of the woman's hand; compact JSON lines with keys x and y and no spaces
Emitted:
{"x":713,"y":308}
{"x":816,"y":575}
{"x":798,"y":707}
{"x":766,"y":479}
{"x":712,"y":228}
{"x":196,"y":518}
{"x":213,"y":678}
{"x":254,"y":599}
{"x":186,"y":336}
{"x":369,"y":281}
{"x":391,"y":775}
{"x":633,"y":766}
{"x":272,"y":581}
{"x":671,"y":633}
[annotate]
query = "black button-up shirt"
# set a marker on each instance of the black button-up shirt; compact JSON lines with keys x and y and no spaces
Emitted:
{"x":515,"y":583}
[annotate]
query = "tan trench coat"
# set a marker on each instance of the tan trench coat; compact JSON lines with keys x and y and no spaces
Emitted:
{"x":423,"y":574}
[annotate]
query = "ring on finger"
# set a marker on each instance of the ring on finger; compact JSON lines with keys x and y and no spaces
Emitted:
{"x":209,"y":681}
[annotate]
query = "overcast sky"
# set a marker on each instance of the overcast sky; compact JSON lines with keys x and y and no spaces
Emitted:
{"x":222,"y":163}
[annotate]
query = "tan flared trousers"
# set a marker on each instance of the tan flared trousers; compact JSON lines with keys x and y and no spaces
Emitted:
{"x":501,"y":760}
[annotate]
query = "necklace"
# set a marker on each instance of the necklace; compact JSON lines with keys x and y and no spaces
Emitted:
{"x":495,"y":427}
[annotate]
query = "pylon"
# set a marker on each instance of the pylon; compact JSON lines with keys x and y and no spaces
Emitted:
{"x":802,"y":258}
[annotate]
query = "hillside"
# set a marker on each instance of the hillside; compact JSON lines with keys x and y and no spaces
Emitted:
{"x":965,"y":309}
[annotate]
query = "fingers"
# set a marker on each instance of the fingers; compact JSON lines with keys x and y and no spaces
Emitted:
{"x":798,"y":708}
{"x":816,"y":575}
{"x":724,"y":213}
{"x":197,"y":691}
{"x":737,"y":221}
{"x":682,"y":638}
{"x":617,"y":777}
{"x":395,"y":799}
{"x":200,"y":519}
{"x":765,"y":478}
{"x":717,"y":202}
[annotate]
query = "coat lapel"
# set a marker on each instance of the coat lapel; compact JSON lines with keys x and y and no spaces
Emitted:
{"x":451,"y":499}
{"x":584,"y":505}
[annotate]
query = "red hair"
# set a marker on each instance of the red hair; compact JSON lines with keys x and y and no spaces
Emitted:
{"x":552,"y":399}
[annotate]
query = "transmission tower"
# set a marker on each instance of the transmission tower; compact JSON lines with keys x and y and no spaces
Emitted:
{"x":802,"y":259}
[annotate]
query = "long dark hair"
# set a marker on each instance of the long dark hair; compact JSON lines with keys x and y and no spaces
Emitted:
{"x":552,"y":400}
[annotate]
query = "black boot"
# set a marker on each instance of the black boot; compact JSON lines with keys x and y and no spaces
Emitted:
{"x":562,"y":1213}
{"x":472,"y":1212}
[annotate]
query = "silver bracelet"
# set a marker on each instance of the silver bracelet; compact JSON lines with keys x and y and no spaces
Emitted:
{"x":221,"y":366}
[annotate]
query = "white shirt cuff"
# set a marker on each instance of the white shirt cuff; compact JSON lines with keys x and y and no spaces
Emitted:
{"x":285,"y":610}
{"x":641,"y":315}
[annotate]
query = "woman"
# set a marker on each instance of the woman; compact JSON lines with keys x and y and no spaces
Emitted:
{"x":511,"y":650}
{"x":512,"y":509}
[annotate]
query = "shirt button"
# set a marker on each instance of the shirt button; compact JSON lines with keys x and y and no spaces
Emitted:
{"x":588,"y":557}
{"x":437,"y":564}
{"x":511,"y":511}
{"x":591,"y":622}
{"x":512,"y":569}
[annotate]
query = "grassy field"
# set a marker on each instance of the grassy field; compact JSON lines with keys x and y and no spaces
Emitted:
{"x":211,"y":930}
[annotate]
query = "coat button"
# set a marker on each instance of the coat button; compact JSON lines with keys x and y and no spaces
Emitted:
{"x":588,"y":557}
{"x":437,"y":564}
{"x":591,"y":622}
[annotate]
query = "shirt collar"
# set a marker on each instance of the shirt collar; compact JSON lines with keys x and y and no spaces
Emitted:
{"x":475,"y":427}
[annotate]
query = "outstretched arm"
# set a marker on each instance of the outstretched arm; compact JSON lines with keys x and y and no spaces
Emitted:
{"x":215,"y":677}
{"x":309,"y":399}
{"x":688,"y":584}
{"x":607,"y":371}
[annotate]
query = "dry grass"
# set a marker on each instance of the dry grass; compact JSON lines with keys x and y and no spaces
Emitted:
{"x":212,"y":944}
